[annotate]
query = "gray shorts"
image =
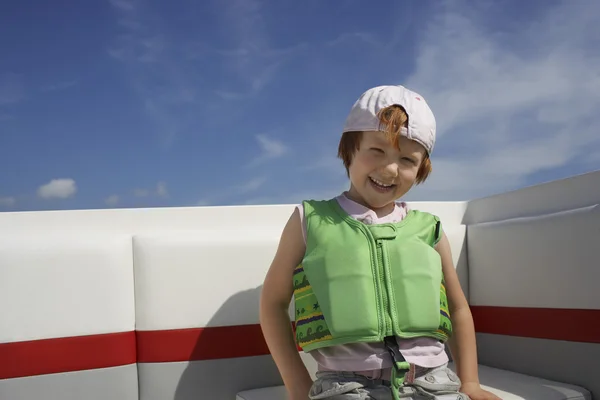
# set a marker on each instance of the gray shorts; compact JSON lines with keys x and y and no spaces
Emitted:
{"x":439,"y":383}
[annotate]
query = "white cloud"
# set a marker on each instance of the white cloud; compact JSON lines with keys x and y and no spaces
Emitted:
{"x":245,"y":188}
{"x":123,"y":4}
{"x":254,"y":63}
{"x":161,"y":189}
{"x":7,"y":201}
{"x":508,"y":105}
{"x":164,"y":84}
{"x":112,"y":200}
{"x":270,"y":149}
{"x":251,"y":185}
{"x":58,"y":188}
{"x":169,"y":72}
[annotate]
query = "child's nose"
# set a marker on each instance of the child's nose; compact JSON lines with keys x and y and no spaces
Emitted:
{"x":391,"y":170}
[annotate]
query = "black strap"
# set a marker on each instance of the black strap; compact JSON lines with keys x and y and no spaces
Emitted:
{"x":392,"y":347}
{"x":437,"y":230}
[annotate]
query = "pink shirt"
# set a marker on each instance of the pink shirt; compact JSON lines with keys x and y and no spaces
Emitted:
{"x":364,"y":357}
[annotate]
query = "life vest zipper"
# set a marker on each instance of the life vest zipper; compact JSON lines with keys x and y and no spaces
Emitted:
{"x":400,"y":366}
{"x":387,"y":320}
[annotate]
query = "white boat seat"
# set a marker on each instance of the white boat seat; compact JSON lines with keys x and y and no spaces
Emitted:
{"x":505,"y":384}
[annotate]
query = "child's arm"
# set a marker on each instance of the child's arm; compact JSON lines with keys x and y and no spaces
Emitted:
{"x":274,"y":315}
{"x":462,"y":343}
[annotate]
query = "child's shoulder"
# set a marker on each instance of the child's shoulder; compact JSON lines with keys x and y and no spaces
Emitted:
{"x":314,"y":205}
{"x":307,"y":207}
{"x":416,"y":211}
{"x":311,"y":201}
{"x":425,"y":218}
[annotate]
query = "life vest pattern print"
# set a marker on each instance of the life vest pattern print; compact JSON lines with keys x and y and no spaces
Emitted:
{"x":445,"y":321}
{"x":311,"y":326}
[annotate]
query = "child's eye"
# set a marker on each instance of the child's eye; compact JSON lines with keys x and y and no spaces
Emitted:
{"x":376,"y":149}
{"x":410,"y":160}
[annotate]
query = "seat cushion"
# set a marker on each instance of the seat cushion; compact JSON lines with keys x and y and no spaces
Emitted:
{"x":514,"y":386}
{"x":267,"y":393}
{"x":504,"y":384}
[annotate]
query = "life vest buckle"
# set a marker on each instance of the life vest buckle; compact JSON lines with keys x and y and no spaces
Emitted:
{"x":392,"y":347}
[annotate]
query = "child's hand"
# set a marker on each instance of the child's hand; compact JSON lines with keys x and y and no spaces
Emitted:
{"x":475,"y":392}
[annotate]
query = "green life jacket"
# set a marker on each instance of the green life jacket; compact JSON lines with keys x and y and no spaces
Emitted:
{"x":363,"y":283}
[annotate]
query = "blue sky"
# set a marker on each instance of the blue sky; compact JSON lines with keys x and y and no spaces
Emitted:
{"x":144,"y":103}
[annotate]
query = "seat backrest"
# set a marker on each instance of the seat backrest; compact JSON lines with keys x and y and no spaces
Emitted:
{"x":534,"y":268}
{"x":67,"y":305}
{"x":197,"y":297}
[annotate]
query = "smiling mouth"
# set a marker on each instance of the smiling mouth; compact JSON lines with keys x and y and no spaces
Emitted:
{"x":380,"y":186}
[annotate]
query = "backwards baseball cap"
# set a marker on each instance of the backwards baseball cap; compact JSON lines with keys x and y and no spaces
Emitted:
{"x":421,"y":122}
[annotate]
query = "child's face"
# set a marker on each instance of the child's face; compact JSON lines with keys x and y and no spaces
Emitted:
{"x":378,"y":162}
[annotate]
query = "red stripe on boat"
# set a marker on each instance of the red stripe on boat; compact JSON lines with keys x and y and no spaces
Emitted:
{"x":201,"y":343}
{"x":66,"y":354}
{"x":572,"y":325}
{"x":37,"y":357}
{"x":195,"y":344}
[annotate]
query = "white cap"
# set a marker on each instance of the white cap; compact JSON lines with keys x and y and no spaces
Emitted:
{"x":421,"y":122}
